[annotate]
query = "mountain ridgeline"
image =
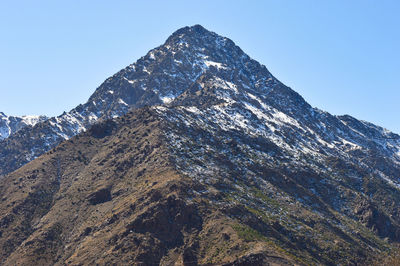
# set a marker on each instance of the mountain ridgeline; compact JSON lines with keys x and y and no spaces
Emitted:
{"x":11,"y":124}
{"x":197,"y":154}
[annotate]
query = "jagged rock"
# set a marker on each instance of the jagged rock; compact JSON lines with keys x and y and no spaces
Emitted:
{"x":100,"y":196}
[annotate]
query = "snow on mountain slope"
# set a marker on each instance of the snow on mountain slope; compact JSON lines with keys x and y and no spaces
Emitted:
{"x":307,"y":137}
{"x":157,"y":78}
{"x":198,"y":67}
{"x":11,"y":124}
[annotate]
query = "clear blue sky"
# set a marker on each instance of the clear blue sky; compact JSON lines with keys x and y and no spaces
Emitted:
{"x":341,"y":56}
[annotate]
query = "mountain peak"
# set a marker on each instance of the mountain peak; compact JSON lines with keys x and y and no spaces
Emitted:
{"x":197,"y":28}
{"x":190,"y":30}
{"x":199,"y":36}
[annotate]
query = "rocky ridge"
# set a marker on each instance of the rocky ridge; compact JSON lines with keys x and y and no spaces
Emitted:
{"x":156,"y":78}
{"x":189,"y":56}
{"x":11,"y":124}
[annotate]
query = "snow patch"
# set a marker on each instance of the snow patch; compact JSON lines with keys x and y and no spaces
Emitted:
{"x":145,"y":70}
{"x":130,"y":81}
{"x":31,"y":120}
{"x":178,"y":61}
{"x":166,"y":99}
{"x":193,"y":109}
{"x":122,"y":102}
{"x":215,"y":64}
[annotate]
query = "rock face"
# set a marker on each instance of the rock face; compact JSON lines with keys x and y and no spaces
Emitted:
{"x":219,"y":163}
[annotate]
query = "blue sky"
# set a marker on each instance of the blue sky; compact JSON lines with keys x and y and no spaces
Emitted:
{"x":341,"y":56}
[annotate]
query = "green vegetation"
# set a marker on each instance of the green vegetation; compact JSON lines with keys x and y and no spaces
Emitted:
{"x":247,"y":233}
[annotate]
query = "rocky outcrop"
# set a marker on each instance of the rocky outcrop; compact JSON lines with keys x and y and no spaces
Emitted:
{"x":377,"y":221}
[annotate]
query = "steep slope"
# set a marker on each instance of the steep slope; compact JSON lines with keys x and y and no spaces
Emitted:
{"x":325,"y":198}
{"x":188,"y":56}
{"x":11,"y":124}
{"x":113,"y":196}
{"x":158,"y":77}
{"x":183,"y":184}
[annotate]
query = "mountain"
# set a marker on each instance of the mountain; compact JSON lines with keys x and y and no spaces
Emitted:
{"x":113,"y":195}
{"x":156,"y":78}
{"x":217,"y":163}
{"x":11,"y":124}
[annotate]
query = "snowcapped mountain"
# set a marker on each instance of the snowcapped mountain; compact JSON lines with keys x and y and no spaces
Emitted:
{"x":157,"y":78}
{"x":11,"y":124}
{"x":193,"y":57}
{"x":217,"y":151}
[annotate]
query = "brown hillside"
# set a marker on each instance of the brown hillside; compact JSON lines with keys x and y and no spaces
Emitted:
{"x":112,"y":196}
